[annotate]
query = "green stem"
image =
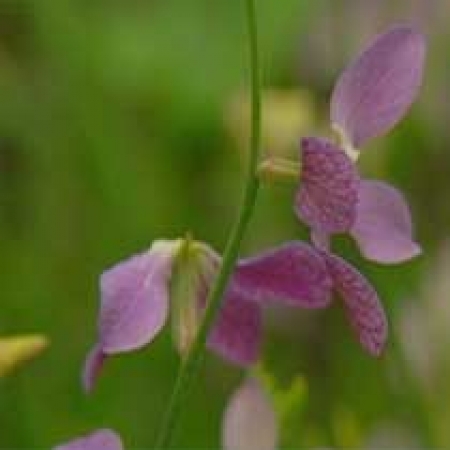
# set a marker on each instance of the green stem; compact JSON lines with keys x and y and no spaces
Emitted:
{"x":189,"y":366}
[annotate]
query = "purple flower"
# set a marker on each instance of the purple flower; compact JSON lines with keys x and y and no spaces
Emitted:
{"x":136,"y":293}
{"x":98,"y":440}
{"x":249,"y":421}
{"x":370,"y":97}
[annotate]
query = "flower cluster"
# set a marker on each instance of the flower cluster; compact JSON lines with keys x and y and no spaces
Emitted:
{"x":369,"y":98}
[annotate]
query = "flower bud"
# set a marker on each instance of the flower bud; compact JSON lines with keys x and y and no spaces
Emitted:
{"x":194,"y":269}
{"x":17,"y":350}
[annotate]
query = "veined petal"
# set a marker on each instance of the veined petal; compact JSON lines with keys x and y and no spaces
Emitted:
{"x":378,"y":87}
{"x":361,"y":303}
{"x":327,"y":197}
{"x":236,"y":335}
{"x":134,"y":299}
{"x":294,"y":274}
{"x":249,"y":421}
{"x":98,"y":440}
{"x":383,"y":226}
{"x":134,"y":305}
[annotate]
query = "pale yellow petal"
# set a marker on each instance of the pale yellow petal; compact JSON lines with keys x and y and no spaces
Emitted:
{"x":17,"y":350}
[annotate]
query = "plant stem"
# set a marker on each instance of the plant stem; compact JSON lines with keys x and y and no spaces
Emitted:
{"x":189,"y":366}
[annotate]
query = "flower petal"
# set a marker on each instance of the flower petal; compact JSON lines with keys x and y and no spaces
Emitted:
{"x":92,"y":367}
{"x":134,"y":299}
{"x":383,"y":227}
{"x":98,"y":440}
{"x":236,"y":335}
{"x":327,"y":198}
{"x":293,"y":274}
{"x":361,"y":303}
{"x":376,"y":90}
{"x":249,"y":421}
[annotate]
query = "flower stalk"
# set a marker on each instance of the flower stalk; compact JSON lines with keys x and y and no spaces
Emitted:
{"x":189,"y":366}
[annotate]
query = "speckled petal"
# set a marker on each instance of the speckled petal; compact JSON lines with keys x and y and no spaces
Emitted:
{"x":293,"y":274}
{"x":134,"y":299}
{"x":327,"y":197}
{"x":236,"y":335}
{"x":361,"y":303}
{"x":249,"y":421}
{"x":383,"y":227}
{"x":99,"y":440}
{"x":376,"y":90}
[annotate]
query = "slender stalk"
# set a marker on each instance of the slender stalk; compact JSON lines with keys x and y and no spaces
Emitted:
{"x":189,"y":367}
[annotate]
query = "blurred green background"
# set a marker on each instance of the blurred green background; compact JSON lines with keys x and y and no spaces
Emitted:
{"x":121,"y":121}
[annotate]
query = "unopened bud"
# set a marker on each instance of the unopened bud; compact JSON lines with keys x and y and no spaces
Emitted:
{"x":15,"y":351}
{"x":193,"y":272}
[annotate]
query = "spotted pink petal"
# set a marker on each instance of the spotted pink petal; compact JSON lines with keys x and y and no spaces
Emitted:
{"x":383,"y":227}
{"x":327,"y":197}
{"x":236,"y":335}
{"x":361,"y":303}
{"x":376,"y":90}
{"x":249,"y":421}
{"x":293,"y":274}
{"x":99,"y":440}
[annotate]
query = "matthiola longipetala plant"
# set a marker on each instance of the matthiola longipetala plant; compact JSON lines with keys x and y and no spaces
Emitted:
{"x":217,"y":301}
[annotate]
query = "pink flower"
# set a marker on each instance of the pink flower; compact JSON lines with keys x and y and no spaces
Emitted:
{"x":136,"y":294}
{"x":249,"y":421}
{"x":98,"y":440}
{"x":369,"y":98}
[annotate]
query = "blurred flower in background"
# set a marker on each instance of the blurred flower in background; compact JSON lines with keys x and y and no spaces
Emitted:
{"x":391,"y":436}
{"x":424,"y":324}
{"x":15,"y":351}
{"x":424,"y":332}
{"x":249,"y":422}
{"x":98,"y":440}
{"x":287,"y":114}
